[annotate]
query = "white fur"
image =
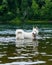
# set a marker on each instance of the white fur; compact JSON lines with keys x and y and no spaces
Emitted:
{"x":21,"y":34}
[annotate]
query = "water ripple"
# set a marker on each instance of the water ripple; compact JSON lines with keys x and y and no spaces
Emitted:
{"x":24,"y":63}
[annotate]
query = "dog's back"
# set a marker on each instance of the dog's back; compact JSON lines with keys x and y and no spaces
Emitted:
{"x":19,"y":34}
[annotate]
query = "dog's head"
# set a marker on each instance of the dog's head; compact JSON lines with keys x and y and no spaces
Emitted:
{"x":35,"y":30}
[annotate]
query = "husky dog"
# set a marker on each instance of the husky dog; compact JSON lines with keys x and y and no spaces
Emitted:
{"x":21,"y":34}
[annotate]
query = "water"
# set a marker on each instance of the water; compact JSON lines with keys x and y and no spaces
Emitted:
{"x":27,"y":51}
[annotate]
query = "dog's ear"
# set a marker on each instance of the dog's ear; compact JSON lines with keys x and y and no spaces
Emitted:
{"x":36,"y":27}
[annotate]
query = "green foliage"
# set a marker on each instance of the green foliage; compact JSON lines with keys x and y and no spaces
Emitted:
{"x":25,"y":10}
{"x":35,"y":9}
{"x":45,"y":12}
{"x":16,"y":21}
{"x":40,"y":3}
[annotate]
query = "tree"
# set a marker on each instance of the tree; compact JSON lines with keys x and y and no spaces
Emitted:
{"x":45,"y":12}
{"x":12,"y":6}
{"x":40,"y":3}
{"x":35,"y":9}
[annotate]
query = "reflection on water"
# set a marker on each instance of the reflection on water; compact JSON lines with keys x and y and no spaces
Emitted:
{"x":26,"y":42}
{"x":27,"y":51}
{"x":23,"y":51}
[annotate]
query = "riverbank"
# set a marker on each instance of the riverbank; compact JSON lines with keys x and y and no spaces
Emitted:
{"x":17,"y":21}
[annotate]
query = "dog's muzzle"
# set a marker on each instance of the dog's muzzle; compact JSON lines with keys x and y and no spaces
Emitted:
{"x":34,"y":35}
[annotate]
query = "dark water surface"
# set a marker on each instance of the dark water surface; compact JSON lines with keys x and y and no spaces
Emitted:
{"x":27,"y":51}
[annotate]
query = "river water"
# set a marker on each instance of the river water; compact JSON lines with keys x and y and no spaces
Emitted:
{"x":27,"y":51}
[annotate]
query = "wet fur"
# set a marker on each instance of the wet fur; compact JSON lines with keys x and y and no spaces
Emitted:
{"x":21,"y":34}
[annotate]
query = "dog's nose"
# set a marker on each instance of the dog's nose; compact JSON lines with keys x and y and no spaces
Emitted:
{"x":34,"y":35}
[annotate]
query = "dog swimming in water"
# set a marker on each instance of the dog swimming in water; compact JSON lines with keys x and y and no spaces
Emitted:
{"x":21,"y":34}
